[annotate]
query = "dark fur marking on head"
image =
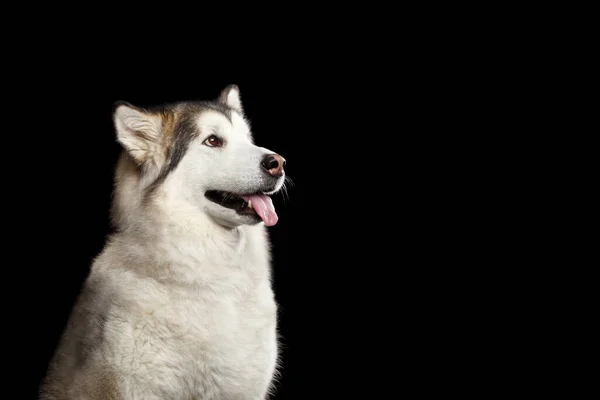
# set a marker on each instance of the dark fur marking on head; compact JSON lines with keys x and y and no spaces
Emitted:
{"x":215,"y":106}
{"x":184,"y":132}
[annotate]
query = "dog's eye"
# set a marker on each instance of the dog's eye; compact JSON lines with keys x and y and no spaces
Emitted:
{"x":213,"y":141}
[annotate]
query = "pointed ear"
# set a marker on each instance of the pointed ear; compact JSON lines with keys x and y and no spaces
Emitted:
{"x":140,"y":134}
{"x":231,"y":97}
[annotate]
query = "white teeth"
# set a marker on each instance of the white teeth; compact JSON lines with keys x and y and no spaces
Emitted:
{"x":249,"y":203}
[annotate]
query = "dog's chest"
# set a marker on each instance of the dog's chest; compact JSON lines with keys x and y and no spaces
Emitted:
{"x":217,"y":337}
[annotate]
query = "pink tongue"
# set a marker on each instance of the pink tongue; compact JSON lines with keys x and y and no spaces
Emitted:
{"x":263,"y":205}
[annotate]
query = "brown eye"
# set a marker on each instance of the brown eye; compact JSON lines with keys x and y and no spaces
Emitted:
{"x":213,"y":141}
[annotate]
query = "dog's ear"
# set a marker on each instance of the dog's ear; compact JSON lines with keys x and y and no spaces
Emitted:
{"x":231,"y":97}
{"x":139,"y":133}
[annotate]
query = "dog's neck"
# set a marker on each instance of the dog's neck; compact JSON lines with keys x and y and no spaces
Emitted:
{"x":179,"y":250}
{"x":194,"y":226}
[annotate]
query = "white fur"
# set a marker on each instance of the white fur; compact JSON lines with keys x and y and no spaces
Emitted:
{"x":184,"y":287}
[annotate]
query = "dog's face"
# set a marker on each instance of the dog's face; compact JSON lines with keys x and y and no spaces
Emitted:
{"x":205,"y":153}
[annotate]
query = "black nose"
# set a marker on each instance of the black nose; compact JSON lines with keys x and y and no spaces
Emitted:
{"x":274,"y":164}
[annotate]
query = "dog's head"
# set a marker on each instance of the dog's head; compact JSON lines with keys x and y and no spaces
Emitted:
{"x":198,"y":156}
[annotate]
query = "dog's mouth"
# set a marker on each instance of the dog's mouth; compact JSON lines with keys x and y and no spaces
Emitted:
{"x":257,"y":204}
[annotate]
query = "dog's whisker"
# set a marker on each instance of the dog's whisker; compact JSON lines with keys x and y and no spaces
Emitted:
{"x":285,"y":193}
{"x":289,"y":180}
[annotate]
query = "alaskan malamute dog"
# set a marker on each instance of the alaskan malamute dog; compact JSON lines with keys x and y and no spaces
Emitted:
{"x":179,"y":304}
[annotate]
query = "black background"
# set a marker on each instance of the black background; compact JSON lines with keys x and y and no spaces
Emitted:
{"x":387,"y":248}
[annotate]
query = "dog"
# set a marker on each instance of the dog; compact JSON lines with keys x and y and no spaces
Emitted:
{"x":179,"y":304}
